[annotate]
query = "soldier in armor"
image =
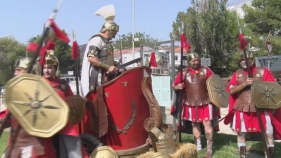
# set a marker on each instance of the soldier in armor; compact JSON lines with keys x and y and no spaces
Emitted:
{"x":197,"y":107}
{"x":64,"y":140}
{"x":25,"y":145}
{"x":98,"y":62}
{"x":242,"y":111}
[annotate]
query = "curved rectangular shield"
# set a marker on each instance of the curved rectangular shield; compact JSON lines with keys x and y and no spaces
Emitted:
{"x":217,"y":91}
{"x":266,"y":95}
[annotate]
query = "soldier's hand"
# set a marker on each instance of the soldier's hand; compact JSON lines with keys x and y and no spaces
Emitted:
{"x":249,"y":81}
{"x":112,"y":69}
{"x":179,"y":86}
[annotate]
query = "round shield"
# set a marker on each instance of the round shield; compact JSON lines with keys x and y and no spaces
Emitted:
{"x":76,"y":108}
{"x":104,"y":152}
{"x":266,"y":94}
{"x":217,"y":91}
{"x":35,"y":104}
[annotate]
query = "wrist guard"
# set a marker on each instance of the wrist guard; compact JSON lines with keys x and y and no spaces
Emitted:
{"x":103,"y":66}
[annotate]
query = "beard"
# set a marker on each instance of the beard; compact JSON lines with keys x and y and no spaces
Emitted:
{"x":195,"y":66}
{"x":244,"y":66}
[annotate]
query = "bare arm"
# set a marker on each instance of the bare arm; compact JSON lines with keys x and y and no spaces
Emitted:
{"x":238,"y":88}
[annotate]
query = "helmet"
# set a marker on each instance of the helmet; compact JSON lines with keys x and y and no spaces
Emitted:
{"x":248,"y":54}
{"x":192,"y":56}
{"x":108,"y":13}
{"x":24,"y":63}
{"x":50,"y":58}
{"x":110,"y":26}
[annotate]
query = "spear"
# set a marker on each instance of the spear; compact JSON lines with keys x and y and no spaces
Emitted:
{"x":243,"y":44}
{"x":29,"y":69}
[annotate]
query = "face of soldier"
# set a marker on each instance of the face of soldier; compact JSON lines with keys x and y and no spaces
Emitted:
{"x":49,"y":71}
{"x":194,"y":63}
{"x":19,"y":71}
{"x":243,"y":63}
{"x":111,"y":33}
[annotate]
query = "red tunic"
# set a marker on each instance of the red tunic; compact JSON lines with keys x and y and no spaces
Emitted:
{"x":64,"y":90}
{"x":250,"y":118}
{"x":198,"y":113}
{"x":46,"y":146}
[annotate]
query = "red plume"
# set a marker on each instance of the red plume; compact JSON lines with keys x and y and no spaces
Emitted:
{"x":61,"y":35}
{"x":42,"y":53}
{"x":243,"y":42}
{"x":32,"y":47}
{"x":184,"y":43}
{"x":50,"y":45}
{"x":75,"y":50}
{"x":153,"y":60}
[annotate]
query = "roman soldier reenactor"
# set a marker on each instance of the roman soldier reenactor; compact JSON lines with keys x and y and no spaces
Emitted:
{"x":197,"y":106}
{"x":242,"y":108}
{"x":98,"y":62}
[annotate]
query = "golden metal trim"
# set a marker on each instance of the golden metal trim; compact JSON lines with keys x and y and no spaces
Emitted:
{"x":106,"y":94}
{"x":125,"y":83}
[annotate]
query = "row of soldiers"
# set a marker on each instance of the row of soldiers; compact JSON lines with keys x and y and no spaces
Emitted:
{"x":242,"y":116}
{"x":99,"y":67}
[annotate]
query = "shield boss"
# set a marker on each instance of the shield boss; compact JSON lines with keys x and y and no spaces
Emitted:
{"x":266,"y":94}
{"x":76,"y":108}
{"x":36,"y":105}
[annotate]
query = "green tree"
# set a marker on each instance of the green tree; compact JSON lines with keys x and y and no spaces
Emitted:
{"x":212,"y":32}
{"x":10,"y":51}
{"x":261,"y":18}
{"x":126,"y":40}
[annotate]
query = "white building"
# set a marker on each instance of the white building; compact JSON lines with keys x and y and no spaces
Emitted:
{"x":237,"y":6}
{"x":162,"y":56}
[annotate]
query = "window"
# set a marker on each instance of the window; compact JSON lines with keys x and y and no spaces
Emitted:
{"x":176,"y":57}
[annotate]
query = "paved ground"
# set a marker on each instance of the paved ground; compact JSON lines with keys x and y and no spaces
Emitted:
{"x":225,"y":128}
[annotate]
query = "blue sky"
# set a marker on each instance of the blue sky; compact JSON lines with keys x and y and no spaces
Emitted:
{"x":25,"y":18}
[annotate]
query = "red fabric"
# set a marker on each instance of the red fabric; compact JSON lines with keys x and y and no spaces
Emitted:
{"x":251,"y":119}
{"x":276,"y":122}
{"x":69,"y":129}
{"x":184,"y":43}
{"x":243,"y":42}
{"x":191,"y":71}
{"x":50,"y":45}
{"x":42,"y":54}
{"x":153,"y":60}
{"x":266,"y":77}
{"x":54,"y":82}
{"x":32,"y":47}
{"x":75,"y":50}
{"x":202,"y":112}
{"x":3,"y":113}
{"x":49,"y":150}
{"x":61,"y":35}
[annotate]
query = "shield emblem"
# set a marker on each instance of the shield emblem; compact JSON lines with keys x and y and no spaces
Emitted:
{"x":76,"y":108}
{"x":217,"y":91}
{"x":266,"y":94}
{"x":35,"y":104}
